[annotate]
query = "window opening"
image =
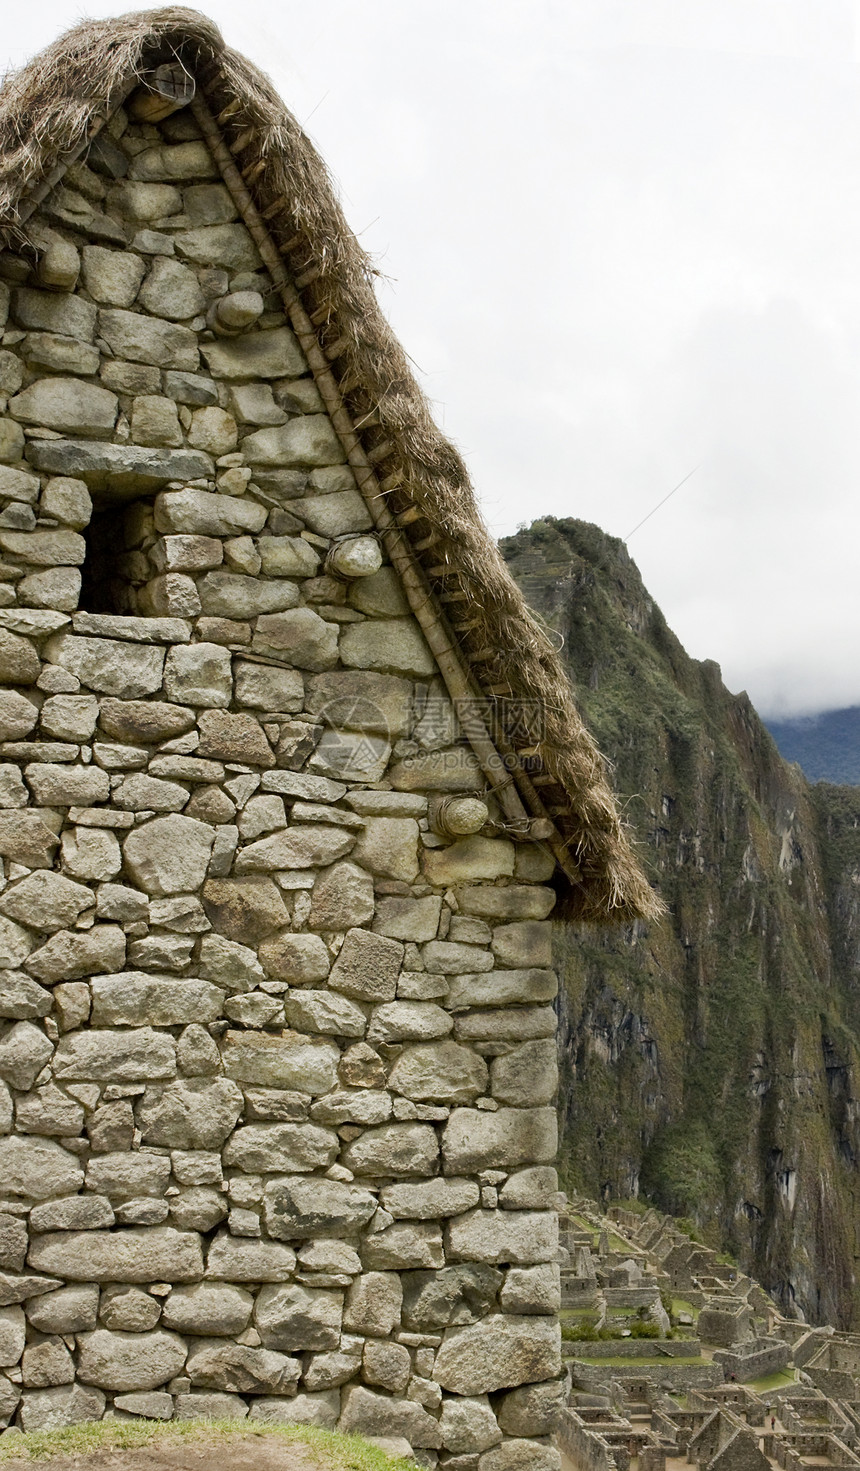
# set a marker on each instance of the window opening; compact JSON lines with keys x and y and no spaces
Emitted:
{"x":117,"y":565}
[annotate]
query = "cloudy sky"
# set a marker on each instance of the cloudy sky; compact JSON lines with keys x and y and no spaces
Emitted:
{"x":621,"y":241}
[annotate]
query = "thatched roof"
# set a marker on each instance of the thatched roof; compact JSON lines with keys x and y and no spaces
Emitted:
{"x":51,"y":107}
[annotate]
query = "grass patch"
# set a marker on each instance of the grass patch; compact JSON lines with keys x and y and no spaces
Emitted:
{"x":772,"y":1381}
{"x":336,"y":1452}
{"x":619,"y":1362}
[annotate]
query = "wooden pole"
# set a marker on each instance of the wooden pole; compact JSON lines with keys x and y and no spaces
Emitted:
{"x":466,"y":697}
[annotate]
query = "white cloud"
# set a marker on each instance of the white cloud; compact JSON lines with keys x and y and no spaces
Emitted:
{"x":623,"y":238}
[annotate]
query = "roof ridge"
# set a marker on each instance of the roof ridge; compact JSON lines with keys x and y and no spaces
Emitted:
{"x":49,"y":108}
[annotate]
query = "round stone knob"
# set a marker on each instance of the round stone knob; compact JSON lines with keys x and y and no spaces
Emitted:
{"x":354,"y":556}
{"x":460,"y":817}
{"x":237,"y":311}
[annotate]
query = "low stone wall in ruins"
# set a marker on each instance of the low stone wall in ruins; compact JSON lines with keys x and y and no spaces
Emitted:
{"x":277,"y":1059}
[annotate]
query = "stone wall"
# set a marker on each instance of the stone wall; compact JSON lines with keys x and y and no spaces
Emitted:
{"x":277,"y":1059}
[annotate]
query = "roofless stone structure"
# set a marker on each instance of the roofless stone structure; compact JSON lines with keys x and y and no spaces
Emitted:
{"x":289,"y":782}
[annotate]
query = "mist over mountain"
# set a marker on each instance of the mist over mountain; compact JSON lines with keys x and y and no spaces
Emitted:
{"x":826,"y":746}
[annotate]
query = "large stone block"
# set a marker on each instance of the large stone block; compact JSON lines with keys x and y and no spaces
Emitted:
{"x":315,"y":1208}
{"x":309,"y":439}
{"x":309,"y":1066}
{"x":532,"y":1290}
{"x":145,"y":340}
{"x":299,"y":959}
{"x":48,"y":311}
{"x":236,"y":1369}
{"x":69,"y":404}
{"x":125,"y":1174}
{"x":393,"y":645}
{"x":203,"y":513}
{"x":199,"y":674}
{"x":406,"y":1244}
{"x":68,"y":1310}
{"x":172,"y":290}
{"x":112,"y":668}
{"x":301,"y":846}
{"x":283,"y":1148}
{"x":19,"y":662}
{"x":46,"y":901}
{"x":335,"y":513}
{"x":501,"y":988}
{"x":169,"y":855}
{"x":22,"y":999}
{"x":246,"y":910}
{"x":475,"y":1140}
{"x":524,"y":943}
{"x":38,"y":1168}
{"x":190,"y":1113}
{"x":125,"y":1361}
{"x":18,"y":715}
{"x":24,"y":1051}
{"x":528,"y":1076}
{"x":506,"y":1024}
{"x":242,"y":1259}
{"x":500,"y":1352}
{"x":141,"y":1254}
{"x":394,"y":1149}
{"x":429,"y":1199}
{"x":373,"y":1304}
{"x":469,"y":858}
{"x":70,"y":954}
{"x":54,"y":1409}
{"x":513,"y":902}
{"x":115,"y":1057}
{"x":112,"y":277}
{"x":16,"y":942}
{"x":324,"y":1012}
{"x":304,"y":1409}
{"x":408,"y":1021}
{"x":230,"y":595}
{"x":408,"y":919}
{"x":353,"y":1106}
{"x":342,"y":898}
{"x":208,"y":1309}
{"x":468,"y":1425}
{"x":367,"y":967}
{"x":388,"y":847}
{"x":298,"y":636}
{"x":124,"y":469}
{"x":189,"y":160}
{"x":45,"y":548}
{"x":521,"y":1455}
{"x":265,"y":688}
{"x":366,"y":1412}
{"x":270,"y":354}
{"x":521,"y":1237}
{"x":291,"y":1318}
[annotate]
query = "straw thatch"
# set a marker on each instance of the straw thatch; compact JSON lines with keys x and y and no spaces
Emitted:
{"x":48,"y":110}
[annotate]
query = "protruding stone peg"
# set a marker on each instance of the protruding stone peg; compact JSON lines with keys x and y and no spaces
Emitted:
{"x":354,"y":556}
{"x":59,"y":266}
{"x":162,"y":92}
{"x":458,"y":817}
{"x":236,"y":312}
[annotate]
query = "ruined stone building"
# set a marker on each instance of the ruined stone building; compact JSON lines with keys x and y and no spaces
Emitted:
{"x":290,"y":781}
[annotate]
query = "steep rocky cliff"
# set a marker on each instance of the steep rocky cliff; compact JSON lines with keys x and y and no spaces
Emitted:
{"x":711,"y":1062}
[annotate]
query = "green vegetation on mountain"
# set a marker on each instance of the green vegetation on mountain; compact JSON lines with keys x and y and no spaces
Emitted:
{"x":711,"y":1060}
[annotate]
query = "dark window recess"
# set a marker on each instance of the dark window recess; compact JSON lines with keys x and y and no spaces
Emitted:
{"x":117,"y":566}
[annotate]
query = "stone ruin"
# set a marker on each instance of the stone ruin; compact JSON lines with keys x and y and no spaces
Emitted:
{"x":707,"y":1395}
{"x":277,"y":1057}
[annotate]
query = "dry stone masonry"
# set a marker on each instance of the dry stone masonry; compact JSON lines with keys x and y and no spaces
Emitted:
{"x":277,"y":1055}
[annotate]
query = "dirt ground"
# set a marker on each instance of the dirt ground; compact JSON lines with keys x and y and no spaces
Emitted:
{"x":257,"y":1453}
